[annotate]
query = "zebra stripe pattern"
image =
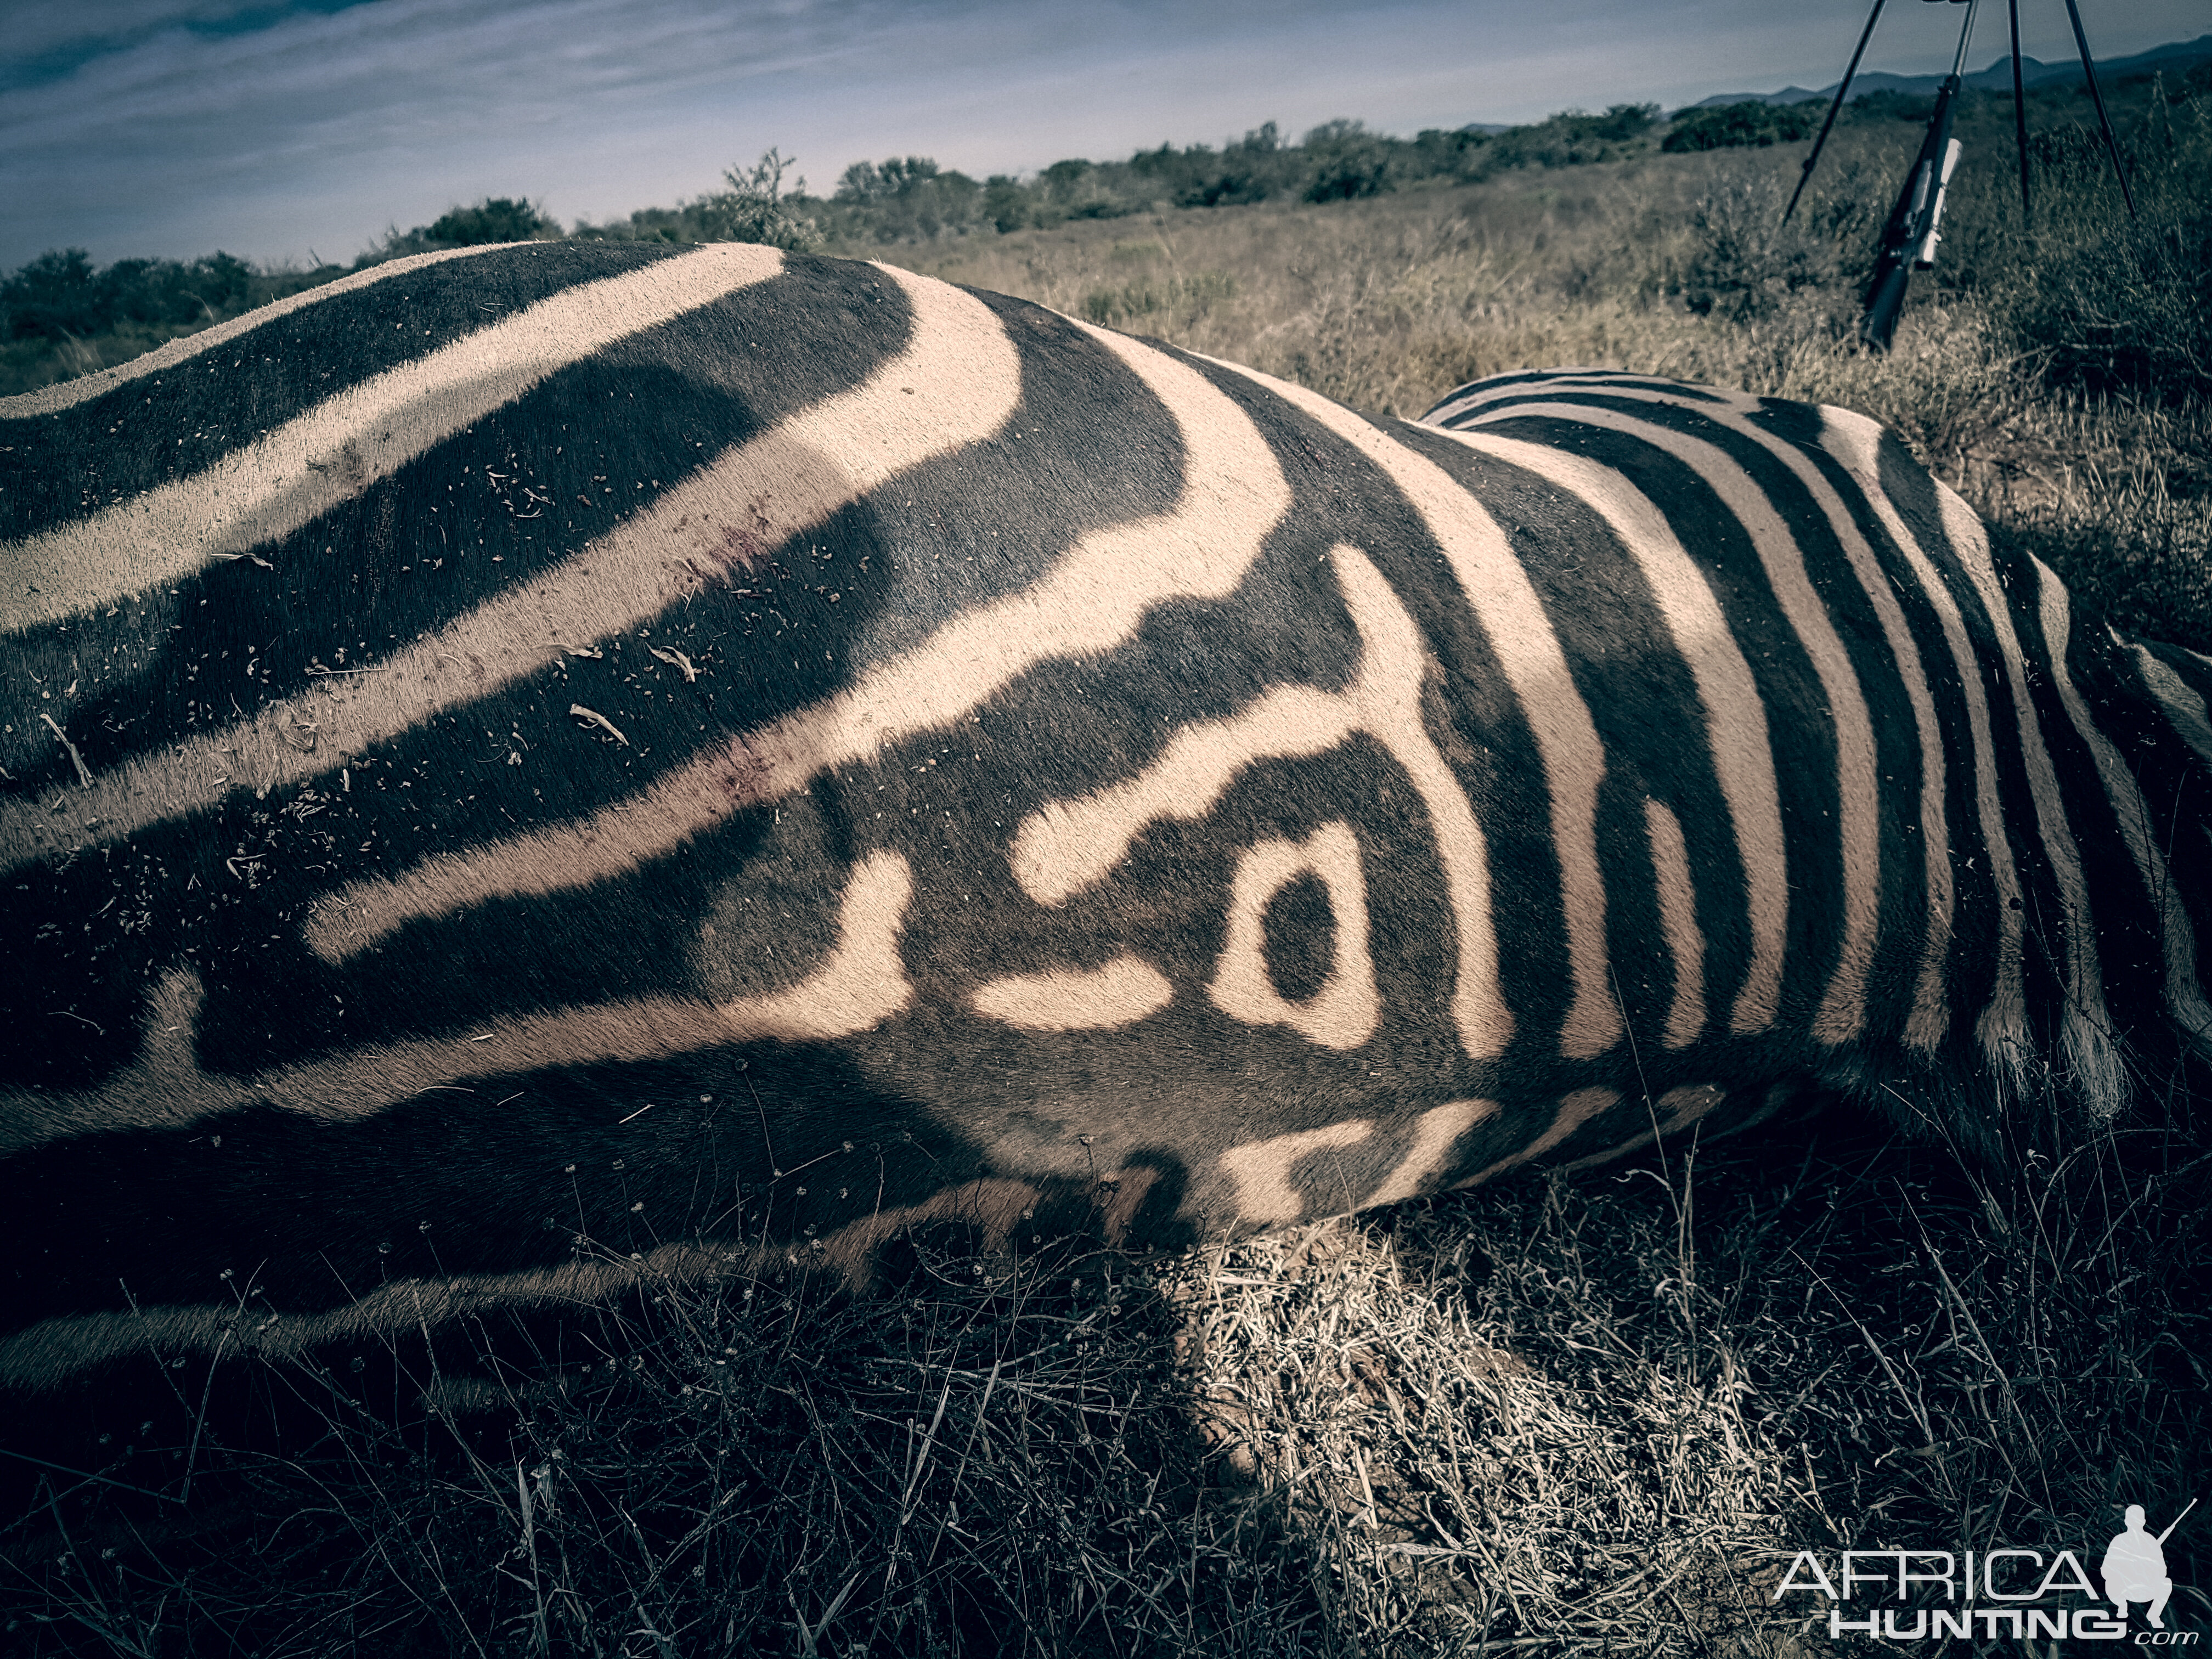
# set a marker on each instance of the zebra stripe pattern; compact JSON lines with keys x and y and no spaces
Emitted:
{"x":534,"y":766}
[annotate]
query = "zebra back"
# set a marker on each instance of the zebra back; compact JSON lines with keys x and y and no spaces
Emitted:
{"x":536,"y":768}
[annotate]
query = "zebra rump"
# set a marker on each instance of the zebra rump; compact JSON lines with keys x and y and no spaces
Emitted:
{"x":537,"y":766}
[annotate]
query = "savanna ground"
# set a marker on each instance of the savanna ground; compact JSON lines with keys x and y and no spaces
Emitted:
{"x":1595,"y":1413}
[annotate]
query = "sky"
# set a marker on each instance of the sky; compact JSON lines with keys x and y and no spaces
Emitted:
{"x":288,"y":129}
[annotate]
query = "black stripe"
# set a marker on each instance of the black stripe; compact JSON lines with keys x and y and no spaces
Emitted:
{"x":2129,"y":927}
{"x":313,"y":1215}
{"x":900,"y":563}
{"x":1801,"y":738}
{"x":942,"y":1093}
{"x":2175,"y":780}
{"x":1460,"y":408}
{"x":480,"y":513}
{"x":1644,"y":703}
{"x":150,"y":430}
{"x":2044,"y":965}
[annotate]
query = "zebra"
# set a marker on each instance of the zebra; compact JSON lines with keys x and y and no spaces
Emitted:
{"x":537,"y":769}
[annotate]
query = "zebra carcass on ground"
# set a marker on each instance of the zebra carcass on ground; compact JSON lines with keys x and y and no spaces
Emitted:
{"x":532,"y":763}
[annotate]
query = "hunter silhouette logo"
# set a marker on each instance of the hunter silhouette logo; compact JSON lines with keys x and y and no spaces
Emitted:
{"x":2135,"y":1566}
{"x":2000,"y":1593}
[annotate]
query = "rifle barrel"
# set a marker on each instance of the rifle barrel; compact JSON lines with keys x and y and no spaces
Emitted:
{"x":2177,"y":1521}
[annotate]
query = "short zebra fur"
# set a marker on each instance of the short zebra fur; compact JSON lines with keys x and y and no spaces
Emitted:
{"x":731,"y":756}
{"x":1947,"y":613}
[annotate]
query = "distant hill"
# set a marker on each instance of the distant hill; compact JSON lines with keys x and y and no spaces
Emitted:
{"x":2171,"y":59}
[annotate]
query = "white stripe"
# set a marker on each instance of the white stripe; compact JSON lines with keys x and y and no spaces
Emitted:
{"x":2185,"y":709}
{"x":1575,"y":1110}
{"x":55,"y":1351}
{"x":1930,"y":1019}
{"x":1119,"y":992}
{"x":966,"y":378}
{"x":1504,"y":602}
{"x":2183,"y":996}
{"x":2085,"y":1032}
{"x":1071,"y":845}
{"x":1482,"y":393}
{"x":1683,"y":1106}
{"x":1426,"y":1161}
{"x":1677,"y":893}
{"x":1260,"y":1173}
{"x":270,"y":488}
{"x":1342,"y":1014}
{"x":1092,"y":601}
{"x":1735,"y":715}
{"x":861,"y":984}
{"x":1842,"y":1013}
{"x":175,"y":353}
{"x":2002,"y":1030}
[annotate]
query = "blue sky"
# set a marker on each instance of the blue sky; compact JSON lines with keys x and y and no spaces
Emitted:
{"x":273,"y":129}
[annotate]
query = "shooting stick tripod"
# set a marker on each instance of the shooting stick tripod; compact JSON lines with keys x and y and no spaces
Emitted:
{"x":1910,"y":237}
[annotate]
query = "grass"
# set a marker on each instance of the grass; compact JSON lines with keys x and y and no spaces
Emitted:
{"x":2060,"y":379}
{"x":1574,"y":1413}
{"x":1594,"y":1414}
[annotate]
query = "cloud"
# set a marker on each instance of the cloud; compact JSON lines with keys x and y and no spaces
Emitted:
{"x":53,"y":43}
{"x":171,"y":127}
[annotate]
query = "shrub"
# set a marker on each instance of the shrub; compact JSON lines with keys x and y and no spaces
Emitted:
{"x":1345,"y":162}
{"x":2103,"y":301}
{"x":1257,"y":166}
{"x":1574,"y":138}
{"x":1889,"y":105}
{"x":1079,"y":189}
{"x":867,"y":181}
{"x":911,"y":199}
{"x":60,"y":296}
{"x":2129,"y":314}
{"x":1744,"y":261}
{"x":54,"y":297}
{"x":1006,"y":204}
{"x":1250,"y":169}
{"x":1456,"y":154}
{"x":495,"y":219}
{"x":1733,"y":126}
{"x":754,"y":209}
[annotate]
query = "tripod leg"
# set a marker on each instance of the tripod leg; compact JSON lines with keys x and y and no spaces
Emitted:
{"x":2020,"y":116}
{"x":2089,"y":73}
{"x":1843,"y":91}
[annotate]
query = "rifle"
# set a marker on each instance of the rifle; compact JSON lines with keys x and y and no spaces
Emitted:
{"x":1909,"y":240}
{"x":2177,"y":1521}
